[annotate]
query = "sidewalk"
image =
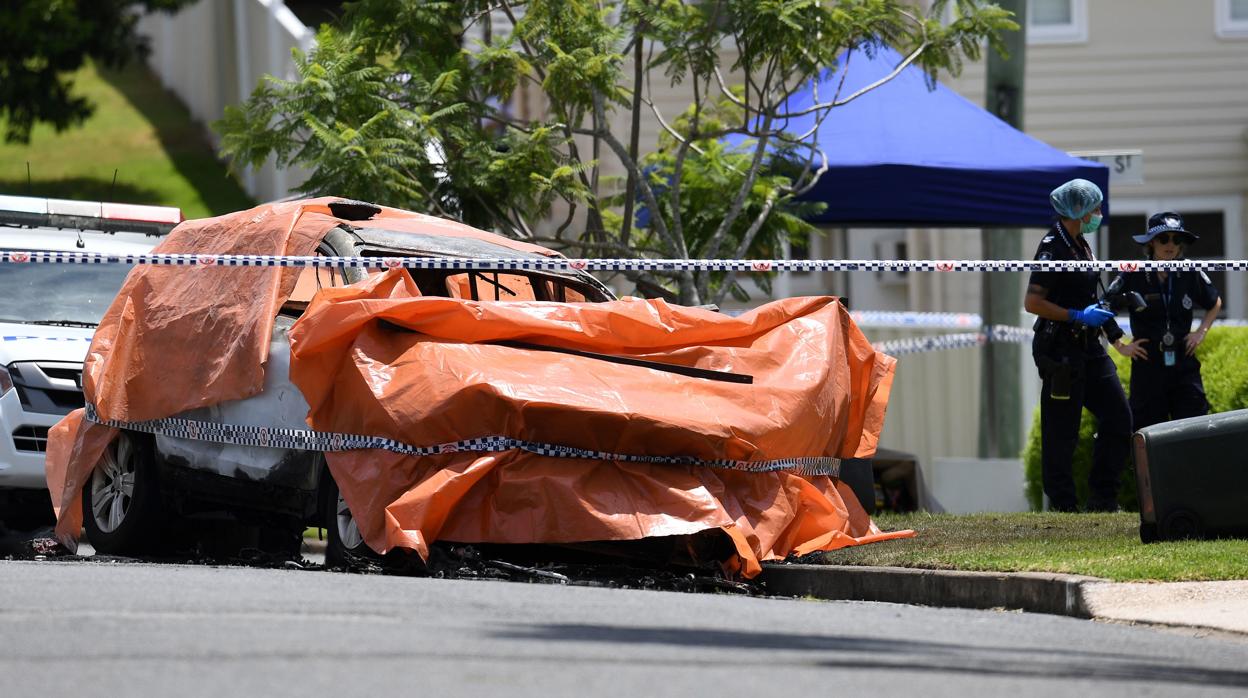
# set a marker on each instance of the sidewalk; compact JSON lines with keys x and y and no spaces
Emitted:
{"x":1214,"y":605}
{"x":1221,"y":606}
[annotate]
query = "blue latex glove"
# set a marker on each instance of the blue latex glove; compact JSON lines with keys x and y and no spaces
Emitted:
{"x":1092,"y":316}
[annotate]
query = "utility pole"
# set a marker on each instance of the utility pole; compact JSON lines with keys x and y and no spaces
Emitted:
{"x":1000,"y":427}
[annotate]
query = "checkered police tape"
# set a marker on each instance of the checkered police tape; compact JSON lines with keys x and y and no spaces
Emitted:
{"x":903,"y":319}
{"x":562,"y":264}
{"x":309,"y":440}
{"x":882,"y":319}
{"x":942,"y":342}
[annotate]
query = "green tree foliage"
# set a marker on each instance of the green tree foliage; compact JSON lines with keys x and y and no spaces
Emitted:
{"x":399,"y":104}
{"x":1224,"y":369}
{"x":41,"y":41}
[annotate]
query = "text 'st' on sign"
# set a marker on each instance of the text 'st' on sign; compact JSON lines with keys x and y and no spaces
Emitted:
{"x":1125,"y":166}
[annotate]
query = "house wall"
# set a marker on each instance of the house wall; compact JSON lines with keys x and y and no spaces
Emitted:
{"x":213,"y":54}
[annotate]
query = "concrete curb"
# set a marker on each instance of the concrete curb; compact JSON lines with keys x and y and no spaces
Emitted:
{"x":1058,"y":594}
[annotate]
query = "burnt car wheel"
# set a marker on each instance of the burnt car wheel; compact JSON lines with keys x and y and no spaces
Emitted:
{"x":121,"y":506}
{"x":345,"y":546}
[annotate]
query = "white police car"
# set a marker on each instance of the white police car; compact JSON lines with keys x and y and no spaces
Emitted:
{"x":48,"y":313}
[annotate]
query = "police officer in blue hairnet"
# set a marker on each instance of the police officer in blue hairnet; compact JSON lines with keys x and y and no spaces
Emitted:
{"x":1165,"y":373}
{"x":1075,"y":370}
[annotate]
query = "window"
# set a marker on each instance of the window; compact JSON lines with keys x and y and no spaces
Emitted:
{"x":494,"y":286}
{"x":1057,"y":21}
{"x":1232,"y":19}
{"x":490,"y":286}
{"x":311,"y":280}
{"x":891,"y":248}
{"x":59,"y":292}
{"x":569,"y":295}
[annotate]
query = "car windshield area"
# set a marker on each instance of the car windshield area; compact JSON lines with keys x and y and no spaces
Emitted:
{"x":473,"y":285}
{"x":501,"y":286}
{"x":59,"y":294}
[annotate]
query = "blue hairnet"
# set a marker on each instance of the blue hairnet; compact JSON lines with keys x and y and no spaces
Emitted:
{"x":1076,"y":198}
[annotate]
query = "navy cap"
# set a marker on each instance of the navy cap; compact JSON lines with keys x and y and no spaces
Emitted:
{"x":1165,"y":222}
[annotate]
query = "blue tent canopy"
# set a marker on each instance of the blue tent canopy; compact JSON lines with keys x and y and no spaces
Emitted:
{"x":905,"y":155}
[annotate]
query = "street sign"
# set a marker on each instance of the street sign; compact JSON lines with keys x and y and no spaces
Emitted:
{"x":1125,"y":166}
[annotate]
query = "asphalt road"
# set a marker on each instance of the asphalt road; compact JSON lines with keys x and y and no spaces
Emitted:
{"x":96,"y":628}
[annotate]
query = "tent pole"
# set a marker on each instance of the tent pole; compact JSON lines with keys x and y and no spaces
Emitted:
{"x":1000,"y":423}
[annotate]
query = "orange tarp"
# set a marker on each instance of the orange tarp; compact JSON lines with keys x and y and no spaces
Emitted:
{"x":178,"y":338}
{"x":819,"y":389}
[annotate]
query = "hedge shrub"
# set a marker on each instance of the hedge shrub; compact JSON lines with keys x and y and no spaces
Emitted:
{"x":1224,"y":368}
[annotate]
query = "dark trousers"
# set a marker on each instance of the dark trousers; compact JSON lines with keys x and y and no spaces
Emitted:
{"x":1098,"y":390}
{"x":1160,"y":393}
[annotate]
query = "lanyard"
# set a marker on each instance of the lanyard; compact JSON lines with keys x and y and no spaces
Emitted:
{"x":1168,"y":339}
{"x":1083,"y":251}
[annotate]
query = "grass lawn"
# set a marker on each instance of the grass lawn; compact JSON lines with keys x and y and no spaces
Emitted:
{"x":140,"y":130}
{"x":1099,"y":545}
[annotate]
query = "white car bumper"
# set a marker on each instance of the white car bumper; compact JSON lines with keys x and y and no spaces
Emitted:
{"x":23,"y":444}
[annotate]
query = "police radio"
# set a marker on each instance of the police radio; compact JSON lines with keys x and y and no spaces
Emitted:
{"x":1115,"y":300}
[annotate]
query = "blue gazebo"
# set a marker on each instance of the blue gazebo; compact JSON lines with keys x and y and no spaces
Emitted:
{"x":906,"y":155}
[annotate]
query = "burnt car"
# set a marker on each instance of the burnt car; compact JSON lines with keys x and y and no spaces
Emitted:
{"x":146,"y":483}
{"x":429,"y":382}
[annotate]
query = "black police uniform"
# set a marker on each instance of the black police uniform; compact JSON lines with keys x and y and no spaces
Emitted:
{"x":1167,"y":385}
{"x":1067,"y":351}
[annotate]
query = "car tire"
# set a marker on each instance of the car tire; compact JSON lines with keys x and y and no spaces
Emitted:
{"x":121,"y":505}
{"x":345,"y":547}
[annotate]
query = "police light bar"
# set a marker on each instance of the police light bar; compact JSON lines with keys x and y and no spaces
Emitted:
{"x":26,"y":211}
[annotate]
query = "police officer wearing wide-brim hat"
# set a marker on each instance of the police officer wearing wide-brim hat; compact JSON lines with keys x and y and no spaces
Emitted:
{"x":1165,"y":373}
{"x":1075,"y":370}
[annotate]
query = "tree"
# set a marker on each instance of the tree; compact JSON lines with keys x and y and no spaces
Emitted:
{"x":399,"y":106}
{"x":43,"y":40}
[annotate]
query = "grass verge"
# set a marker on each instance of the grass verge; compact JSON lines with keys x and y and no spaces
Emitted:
{"x":1098,"y":545}
{"x":160,"y":154}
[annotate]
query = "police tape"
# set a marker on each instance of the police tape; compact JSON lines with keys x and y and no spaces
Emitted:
{"x":997,"y":334}
{"x":907,"y":319}
{"x":942,"y":342}
{"x":564,"y":264}
{"x":321,"y":441}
